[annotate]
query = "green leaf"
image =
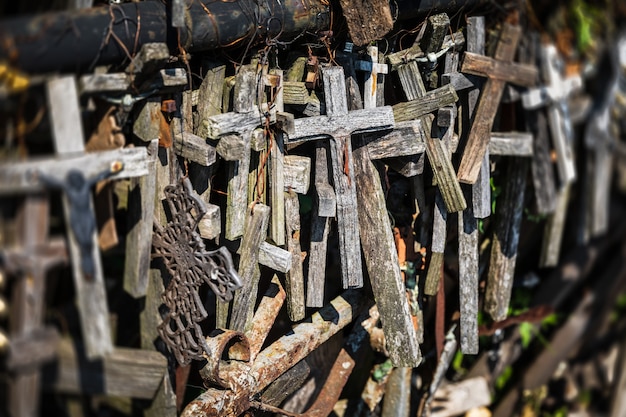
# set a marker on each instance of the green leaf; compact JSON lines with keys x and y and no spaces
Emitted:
{"x":526,"y":331}
{"x":502,"y":380}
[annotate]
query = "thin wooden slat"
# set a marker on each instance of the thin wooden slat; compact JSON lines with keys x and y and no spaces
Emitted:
{"x":294,"y":285}
{"x":255,"y":232}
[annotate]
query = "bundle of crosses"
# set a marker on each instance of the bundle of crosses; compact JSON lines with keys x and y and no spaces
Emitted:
{"x":312,"y":207}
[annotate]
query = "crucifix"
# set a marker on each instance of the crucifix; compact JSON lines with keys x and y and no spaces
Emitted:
{"x":68,"y":141}
{"x":498,"y":70}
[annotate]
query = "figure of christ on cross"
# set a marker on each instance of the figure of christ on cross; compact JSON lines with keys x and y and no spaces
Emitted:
{"x":77,"y":188}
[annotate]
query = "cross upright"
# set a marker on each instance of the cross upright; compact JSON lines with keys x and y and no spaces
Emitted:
{"x":554,"y":95}
{"x":498,"y":70}
{"x":339,"y":124}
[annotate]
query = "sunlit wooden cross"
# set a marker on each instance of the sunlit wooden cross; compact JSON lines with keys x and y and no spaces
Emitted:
{"x":499,"y":70}
{"x":555,"y":95}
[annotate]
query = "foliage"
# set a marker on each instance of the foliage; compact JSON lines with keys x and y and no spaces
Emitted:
{"x":382,"y":370}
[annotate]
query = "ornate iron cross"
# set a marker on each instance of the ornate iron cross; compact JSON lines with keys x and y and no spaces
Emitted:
{"x":190,"y":265}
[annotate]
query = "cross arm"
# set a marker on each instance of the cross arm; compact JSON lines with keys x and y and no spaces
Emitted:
{"x":358,"y":121}
{"x":15,"y":177}
{"x":519,"y":74}
{"x":428,"y":103}
{"x":232,"y":122}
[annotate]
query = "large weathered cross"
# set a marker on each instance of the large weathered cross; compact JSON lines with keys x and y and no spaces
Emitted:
{"x":498,"y":70}
{"x":339,"y":125}
{"x":555,"y":95}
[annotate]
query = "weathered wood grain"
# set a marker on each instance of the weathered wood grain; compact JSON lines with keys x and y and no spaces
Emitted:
{"x":424,"y":104}
{"x":297,"y":173}
{"x":468,"y":280}
{"x":122,"y":372}
{"x":505,"y":241}
{"x":141,"y":200}
{"x":438,"y":245}
{"x":436,"y":150}
{"x":406,"y":139}
{"x":478,"y":138}
{"x":274,"y":257}
{"x":193,"y":147}
{"x":521,"y":74}
{"x":367,"y":20}
{"x":382,"y":263}
{"x":210,"y":95}
{"x":255,"y":232}
{"x":277,"y":173}
{"x":294,"y":285}
{"x":18,"y":176}
{"x":325,"y":207}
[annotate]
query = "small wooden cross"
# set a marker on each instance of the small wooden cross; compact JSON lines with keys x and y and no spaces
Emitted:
{"x":373,"y":79}
{"x":236,"y":129}
{"x":498,"y":70}
{"x":29,"y":264}
{"x":555,"y":95}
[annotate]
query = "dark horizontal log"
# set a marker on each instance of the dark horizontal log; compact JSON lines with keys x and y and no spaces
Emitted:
{"x":80,"y":39}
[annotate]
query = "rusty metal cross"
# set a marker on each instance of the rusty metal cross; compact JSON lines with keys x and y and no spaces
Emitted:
{"x":190,"y":265}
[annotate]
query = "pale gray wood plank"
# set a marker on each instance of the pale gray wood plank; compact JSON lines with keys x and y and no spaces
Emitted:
{"x":141,"y":196}
{"x":382,"y":263}
{"x":297,"y":173}
{"x":294,"y":278}
{"x":274,"y":257}
{"x":255,"y":232}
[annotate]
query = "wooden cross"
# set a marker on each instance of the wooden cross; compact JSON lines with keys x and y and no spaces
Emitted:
{"x":339,"y":125}
{"x":29,"y":263}
{"x":381,"y":259}
{"x":234,"y":131}
{"x":68,"y":140}
{"x":373,"y":79}
{"x":498,"y":70}
{"x":555,"y":95}
{"x":481,"y":190}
